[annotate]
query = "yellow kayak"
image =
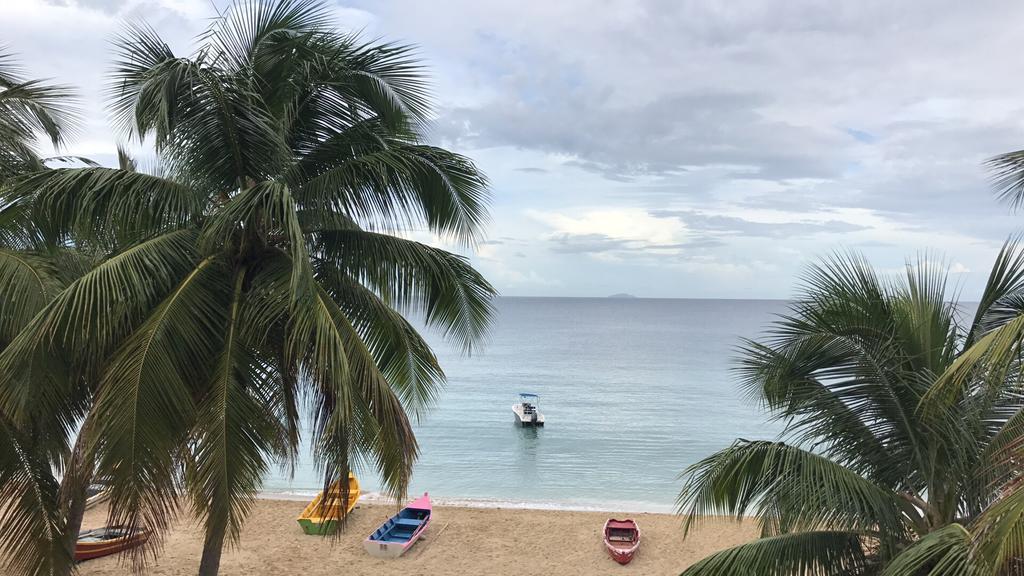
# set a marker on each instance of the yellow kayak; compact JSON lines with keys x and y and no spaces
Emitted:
{"x":324,"y":519}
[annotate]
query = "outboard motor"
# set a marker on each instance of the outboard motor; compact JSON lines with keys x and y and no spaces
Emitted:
{"x":533,"y":417}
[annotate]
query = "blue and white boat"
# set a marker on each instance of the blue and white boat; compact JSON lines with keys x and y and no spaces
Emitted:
{"x":400,"y":531}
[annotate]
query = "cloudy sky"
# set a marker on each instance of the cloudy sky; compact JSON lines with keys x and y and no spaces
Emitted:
{"x":673,"y":148}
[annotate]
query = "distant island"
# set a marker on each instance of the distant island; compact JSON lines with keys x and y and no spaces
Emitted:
{"x":622,"y":295}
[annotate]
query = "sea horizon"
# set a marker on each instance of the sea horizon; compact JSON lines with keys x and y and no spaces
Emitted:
{"x":634,"y":297}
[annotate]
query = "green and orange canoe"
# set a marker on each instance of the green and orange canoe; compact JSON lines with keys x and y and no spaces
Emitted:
{"x":323,"y":516}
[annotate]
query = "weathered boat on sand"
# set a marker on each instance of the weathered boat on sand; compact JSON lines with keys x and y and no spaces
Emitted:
{"x":621,"y":538}
{"x":97,"y":493}
{"x":325,"y":512}
{"x":108,"y":540}
{"x":401,"y":531}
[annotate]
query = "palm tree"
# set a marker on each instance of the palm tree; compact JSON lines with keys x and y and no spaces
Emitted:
{"x":260,"y":278}
{"x":901,"y":436}
{"x":33,"y":269}
{"x":998,"y":535}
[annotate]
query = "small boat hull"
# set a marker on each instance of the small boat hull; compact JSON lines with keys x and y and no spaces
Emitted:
{"x":525,"y":417}
{"x":319,"y":518}
{"x":106,"y":541}
{"x":621,"y":539}
{"x":396,"y":535}
{"x":386,"y":549}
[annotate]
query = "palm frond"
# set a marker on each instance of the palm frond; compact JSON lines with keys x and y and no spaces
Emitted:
{"x":822,"y":553}
{"x":17,"y":228}
{"x":125,"y":161}
{"x":205,"y":121}
{"x":96,"y":311}
{"x":377,"y":427}
{"x":404,"y":358}
{"x":144,"y":83}
{"x":266,"y":313}
{"x":798,"y":381}
{"x":354,"y":81}
{"x":28,"y":281}
{"x":998,"y":541}
{"x":838,"y":370}
{"x":146,"y":407}
{"x":356,"y":414}
{"x":31,"y":106}
{"x":71,"y":159}
{"x":414,"y":277}
{"x":944,"y":552}
{"x":924,"y":318}
{"x":235,"y":431}
{"x":1008,"y":176}
{"x":391,"y":183}
{"x":389,"y":78}
{"x":248,"y":34}
{"x":991,"y":356}
{"x":30,"y":526}
{"x":1003,"y":442}
{"x":83,"y":324}
{"x":999,"y":301}
{"x":107,"y":204}
{"x":792,"y":489}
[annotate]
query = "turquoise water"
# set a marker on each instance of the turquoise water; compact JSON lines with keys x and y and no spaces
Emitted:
{"x":633,"y":391}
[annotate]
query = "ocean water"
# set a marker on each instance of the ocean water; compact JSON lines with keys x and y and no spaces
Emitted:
{"x":633,"y":391}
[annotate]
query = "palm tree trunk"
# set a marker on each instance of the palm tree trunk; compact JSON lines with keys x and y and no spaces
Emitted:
{"x":73,"y":525}
{"x":73,"y":489}
{"x":213,"y":545}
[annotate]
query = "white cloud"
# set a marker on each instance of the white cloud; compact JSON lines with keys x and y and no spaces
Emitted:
{"x":628,"y":225}
{"x":958,"y":268}
{"x":777,"y":131}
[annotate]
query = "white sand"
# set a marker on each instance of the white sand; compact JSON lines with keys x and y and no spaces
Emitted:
{"x":460,"y":542}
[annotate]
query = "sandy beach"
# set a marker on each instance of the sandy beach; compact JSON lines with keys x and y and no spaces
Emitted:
{"x":461,"y":541}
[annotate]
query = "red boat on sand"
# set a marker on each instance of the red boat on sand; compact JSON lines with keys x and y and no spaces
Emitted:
{"x":621,"y":538}
{"x":108,"y":540}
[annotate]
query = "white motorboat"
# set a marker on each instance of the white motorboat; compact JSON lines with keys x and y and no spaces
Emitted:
{"x":527,"y":410}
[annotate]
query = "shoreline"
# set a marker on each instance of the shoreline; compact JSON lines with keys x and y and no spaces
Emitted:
{"x":460,"y":541}
{"x":377,"y":498}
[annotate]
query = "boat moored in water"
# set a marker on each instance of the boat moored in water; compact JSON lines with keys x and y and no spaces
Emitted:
{"x":527,"y":410}
{"x":401,"y":531}
{"x":621,"y":538}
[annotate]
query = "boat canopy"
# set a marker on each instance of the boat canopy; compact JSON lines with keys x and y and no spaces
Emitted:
{"x":528,"y":395}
